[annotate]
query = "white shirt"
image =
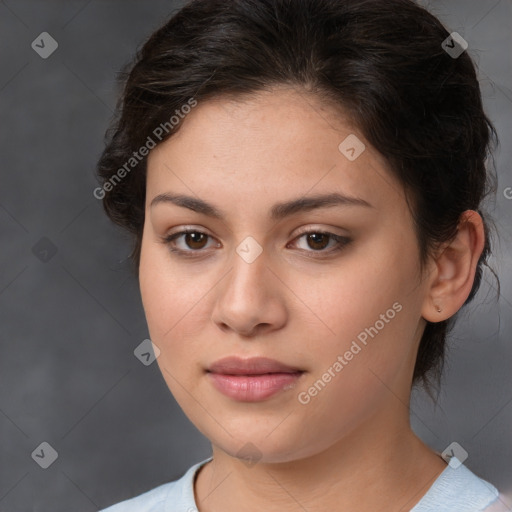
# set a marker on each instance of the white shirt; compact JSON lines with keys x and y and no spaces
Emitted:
{"x":454,"y":490}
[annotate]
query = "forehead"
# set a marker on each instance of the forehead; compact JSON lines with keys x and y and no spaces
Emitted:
{"x":266,"y":145}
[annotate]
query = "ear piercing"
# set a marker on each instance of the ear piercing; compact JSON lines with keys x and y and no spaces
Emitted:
{"x":438,"y":309}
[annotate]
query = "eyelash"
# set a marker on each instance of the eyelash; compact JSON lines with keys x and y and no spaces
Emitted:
{"x":341,"y":241}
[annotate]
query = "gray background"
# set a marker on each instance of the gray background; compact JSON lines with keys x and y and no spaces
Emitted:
{"x":69,"y":325}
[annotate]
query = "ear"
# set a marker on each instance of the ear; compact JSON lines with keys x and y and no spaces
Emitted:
{"x":454,"y":269}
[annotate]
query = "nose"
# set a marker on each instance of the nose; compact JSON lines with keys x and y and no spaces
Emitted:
{"x":250,"y":300}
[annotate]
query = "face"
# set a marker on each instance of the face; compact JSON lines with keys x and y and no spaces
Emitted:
{"x":331,"y":288}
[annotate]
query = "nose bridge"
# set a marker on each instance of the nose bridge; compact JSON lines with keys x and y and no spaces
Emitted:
{"x":248,"y":270}
{"x":247,"y":298}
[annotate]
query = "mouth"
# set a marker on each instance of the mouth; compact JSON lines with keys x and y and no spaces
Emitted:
{"x":254,"y":379}
{"x":254,"y":387}
{"x":237,"y":366}
{"x":254,"y":374}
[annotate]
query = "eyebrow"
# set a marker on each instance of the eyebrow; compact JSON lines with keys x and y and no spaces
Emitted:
{"x":277,"y":212}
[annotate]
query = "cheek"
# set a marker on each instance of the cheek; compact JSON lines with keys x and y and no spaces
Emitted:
{"x":170,"y":301}
{"x":175,"y":302}
{"x":348,"y":300}
{"x":365,"y":311}
{"x":166,"y":292}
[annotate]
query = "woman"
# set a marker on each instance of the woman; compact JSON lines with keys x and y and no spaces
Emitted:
{"x":303,"y":180}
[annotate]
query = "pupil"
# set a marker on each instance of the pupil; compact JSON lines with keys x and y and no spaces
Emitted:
{"x":316,"y":239}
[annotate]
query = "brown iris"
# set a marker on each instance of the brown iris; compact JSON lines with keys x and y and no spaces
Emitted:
{"x":196,"y":240}
{"x":318,"y":240}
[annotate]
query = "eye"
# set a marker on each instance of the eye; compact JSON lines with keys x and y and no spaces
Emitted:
{"x":192,"y":242}
{"x":187,"y":241}
{"x":317,"y":241}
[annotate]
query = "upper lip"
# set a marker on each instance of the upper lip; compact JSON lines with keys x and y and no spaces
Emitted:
{"x":251,"y":366}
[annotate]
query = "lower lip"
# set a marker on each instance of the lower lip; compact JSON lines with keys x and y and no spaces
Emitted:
{"x":253,"y":388}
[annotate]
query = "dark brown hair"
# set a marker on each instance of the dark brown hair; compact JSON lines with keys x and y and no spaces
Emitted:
{"x":381,"y":61}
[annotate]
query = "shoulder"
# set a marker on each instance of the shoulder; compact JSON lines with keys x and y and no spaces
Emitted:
{"x":179,"y":493}
{"x":458,"y":489}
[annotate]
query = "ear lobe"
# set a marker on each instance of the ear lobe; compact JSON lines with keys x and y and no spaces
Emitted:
{"x":454,"y":269}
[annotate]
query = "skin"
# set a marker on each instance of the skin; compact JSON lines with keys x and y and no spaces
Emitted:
{"x":351,"y":447}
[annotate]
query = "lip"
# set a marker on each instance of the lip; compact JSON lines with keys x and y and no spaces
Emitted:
{"x":253,"y":366}
{"x":253,"y":379}
{"x":253,"y":388}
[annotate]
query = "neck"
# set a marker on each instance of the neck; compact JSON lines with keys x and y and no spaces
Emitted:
{"x":382,"y":465}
